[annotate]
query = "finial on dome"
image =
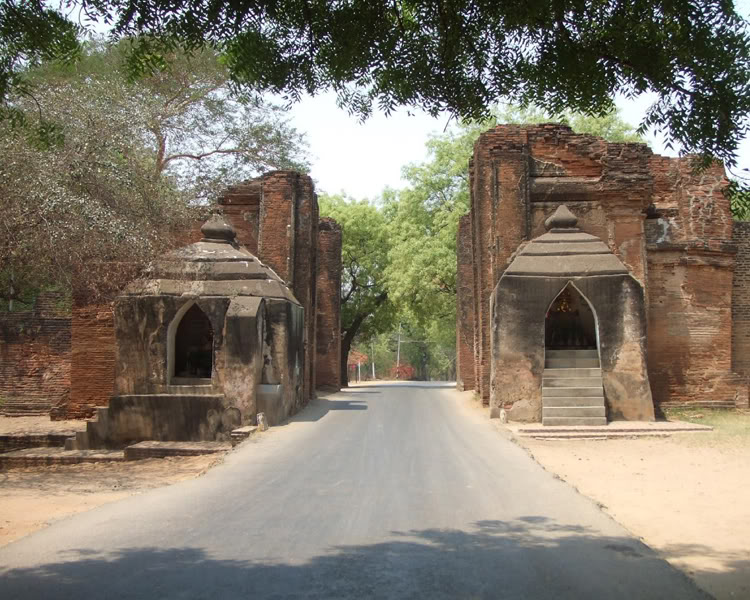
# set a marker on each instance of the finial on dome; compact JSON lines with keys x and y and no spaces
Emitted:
{"x":217,"y":229}
{"x":561,"y":219}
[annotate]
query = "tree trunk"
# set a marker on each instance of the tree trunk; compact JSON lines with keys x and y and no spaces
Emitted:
{"x":346,"y":345}
{"x":348,"y":337}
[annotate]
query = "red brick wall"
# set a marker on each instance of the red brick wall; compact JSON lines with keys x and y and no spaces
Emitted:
{"x":288,"y":243}
{"x":328,"y":318}
{"x":465,"y":379}
{"x":276,"y":222}
{"x":241,"y":204}
{"x":741,"y":301}
{"x":499,"y":214}
{"x":683,"y":254}
{"x":690,"y":331}
{"x":93,"y":360}
{"x":35,"y":355}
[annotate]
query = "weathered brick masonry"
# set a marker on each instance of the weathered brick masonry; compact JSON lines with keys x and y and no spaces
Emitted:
{"x":465,"y":378}
{"x":328,"y":325}
{"x":671,"y":228}
{"x":741,"y":301}
{"x":35,"y":356}
{"x":93,"y":359}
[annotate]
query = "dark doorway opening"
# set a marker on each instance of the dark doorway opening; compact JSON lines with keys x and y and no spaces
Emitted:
{"x":193,"y":345}
{"x":570,"y":322}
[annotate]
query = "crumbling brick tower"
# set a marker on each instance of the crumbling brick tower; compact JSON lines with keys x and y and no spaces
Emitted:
{"x":328,"y":340}
{"x":670,"y":227}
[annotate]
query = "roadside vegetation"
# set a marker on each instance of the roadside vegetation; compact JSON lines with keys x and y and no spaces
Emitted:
{"x":730,"y":427}
{"x":108,"y":170}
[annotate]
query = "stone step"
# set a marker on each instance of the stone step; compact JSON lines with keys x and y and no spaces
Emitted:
{"x":614,"y":429}
{"x":571,"y":363}
{"x":569,"y":392}
{"x":568,"y":421}
{"x":21,"y":408}
{"x":18,"y":441}
{"x":153,"y":449}
{"x":571,"y":382}
{"x":553,"y":435}
{"x":573,"y":372}
{"x":551,"y":401}
{"x":35,"y":457}
{"x":572,"y":354}
{"x":573,"y":411}
{"x":242,"y":433}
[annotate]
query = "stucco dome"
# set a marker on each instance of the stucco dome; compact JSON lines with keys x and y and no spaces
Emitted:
{"x":565,"y":251}
{"x":214,"y":266}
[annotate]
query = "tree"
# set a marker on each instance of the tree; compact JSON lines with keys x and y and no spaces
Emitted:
{"x":463,"y":56}
{"x":366,"y":309}
{"x":131,"y":164}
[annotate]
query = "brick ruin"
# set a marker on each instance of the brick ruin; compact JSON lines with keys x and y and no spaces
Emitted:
{"x":276,"y":219}
{"x":35,"y":358}
{"x":671,"y":227}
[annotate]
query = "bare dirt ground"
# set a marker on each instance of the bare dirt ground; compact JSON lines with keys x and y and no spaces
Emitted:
{"x":32,"y":498}
{"x":687,"y":496}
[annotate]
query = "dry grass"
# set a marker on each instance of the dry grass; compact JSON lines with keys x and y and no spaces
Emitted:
{"x":731,"y":427}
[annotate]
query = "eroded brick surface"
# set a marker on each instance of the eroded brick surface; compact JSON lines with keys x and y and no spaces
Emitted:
{"x":328,"y":340}
{"x":35,"y":357}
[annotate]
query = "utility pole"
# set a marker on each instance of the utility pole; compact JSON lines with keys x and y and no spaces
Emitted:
{"x":373,"y":361}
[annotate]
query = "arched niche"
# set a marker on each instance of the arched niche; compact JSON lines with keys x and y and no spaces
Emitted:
{"x":190,"y":339}
{"x":571,"y":322}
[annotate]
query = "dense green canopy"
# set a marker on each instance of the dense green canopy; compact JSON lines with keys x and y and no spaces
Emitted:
{"x":459,"y":56}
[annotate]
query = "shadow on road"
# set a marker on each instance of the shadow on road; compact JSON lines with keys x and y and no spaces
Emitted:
{"x":531,"y":557}
{"x":431,"y":385}
{"x":319,"y":407}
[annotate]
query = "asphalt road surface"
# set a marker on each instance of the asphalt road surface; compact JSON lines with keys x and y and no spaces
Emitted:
{"x":395,"y":491}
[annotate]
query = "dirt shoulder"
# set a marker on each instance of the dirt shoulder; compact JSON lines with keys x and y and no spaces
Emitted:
{"x":687,"y":496}
{"x":33,"y":498}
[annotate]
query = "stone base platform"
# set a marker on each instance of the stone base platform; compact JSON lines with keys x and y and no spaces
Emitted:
{"x":17,"y":441}
{"x":163,"y":449}
{"x":614,"y":429}
{"x":38,"y":457}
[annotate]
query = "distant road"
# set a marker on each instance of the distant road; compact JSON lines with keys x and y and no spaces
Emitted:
{"x":390,"y":491}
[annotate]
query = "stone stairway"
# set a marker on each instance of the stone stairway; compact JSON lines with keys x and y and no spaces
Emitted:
{"x":572,"y":391}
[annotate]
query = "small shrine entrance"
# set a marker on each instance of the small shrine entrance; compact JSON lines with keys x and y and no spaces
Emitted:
{"x":570,"y":323}
{"x":193,"y":346}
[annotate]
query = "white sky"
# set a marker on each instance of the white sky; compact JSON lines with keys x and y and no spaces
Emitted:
{"x":362,"y":159}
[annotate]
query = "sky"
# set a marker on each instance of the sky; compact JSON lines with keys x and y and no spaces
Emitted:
{"x":361,"y":159}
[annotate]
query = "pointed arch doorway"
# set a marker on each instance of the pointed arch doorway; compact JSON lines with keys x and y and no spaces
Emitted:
{"x":570,"y":323}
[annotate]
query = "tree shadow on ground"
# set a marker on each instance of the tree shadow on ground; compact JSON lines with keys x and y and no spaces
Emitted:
{"x":531,"y":558}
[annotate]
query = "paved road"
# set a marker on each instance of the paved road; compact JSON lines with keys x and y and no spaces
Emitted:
{"x":400,"y":491}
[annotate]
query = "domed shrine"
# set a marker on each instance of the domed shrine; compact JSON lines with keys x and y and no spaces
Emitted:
{"x":568,"y":330}
{"x":207,"y":339}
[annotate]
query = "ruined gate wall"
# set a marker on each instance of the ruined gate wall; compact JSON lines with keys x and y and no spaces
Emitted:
{"x":35,"y":356}
{"x":741,"y":301}
{"x":465,"y":377}
{"x":276,"y":218}
{"x":672,"y":228}
{"x":328,"y":319}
